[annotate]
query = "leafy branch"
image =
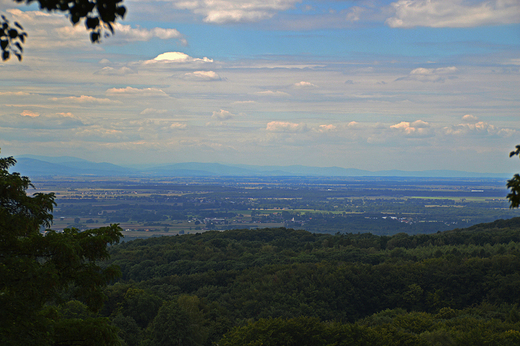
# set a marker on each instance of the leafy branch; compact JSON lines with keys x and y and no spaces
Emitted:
{"x":11,"y":39}
{"x":514,"y":184}
{"x":99,"y":17}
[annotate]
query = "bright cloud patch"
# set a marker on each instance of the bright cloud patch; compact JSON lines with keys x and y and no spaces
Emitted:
{"x":453,"y":13}
{"x":432,"y":71}
{"x":177,"y":126}
{"x":41,"y":25}
{"x":110,"y":71}
{"x":355,"y":13}
{"x":272,"y":93}
{"x":283,"y":126}
{"x":222,"y":115}
{"x":153,"y":111}
{"x":416,"y":128}
{"x":327,"y":128}
{"x":35,"y":121}
{"x":479,"y":128}
{"x":14,"y":93}
{"x":304,"y":84}
{"x":203,"y":75}
{"x":95,"y":134}
{"x":235,"y":11}
{"x":84,"y":99}
{"x":469,"y":118}
{"x":431,"y":74}
{"x":29,"y":114}
{"x":55,"y":30}
{"x":129,"y":91}
{"x":66,"y":115}
{"x":177,"y":57}
{"x":126,"y":33}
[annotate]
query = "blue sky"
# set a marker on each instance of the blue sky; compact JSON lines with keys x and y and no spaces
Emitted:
{"x":404,"y":84}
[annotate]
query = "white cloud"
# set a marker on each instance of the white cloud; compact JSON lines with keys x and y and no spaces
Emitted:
{"x":244,"y":102}
{"x":97,"y":133}
{"x":283,"y":126}
{"x":431,"y":71}
{"x":84,"y":99}
{"x":49,"y":30}
{"x":153,"y":111}
{"x":417,"y":128}
{"x":304,"y":84}
{"x":176,"y":57}
{"x":27,"y":113}
{"x":469,"y":118}
{"x":66,"y":115}
{"x":42,"y":26}
{"x":479,"y":128}
{"x":327,"y":128}
{"x":222,"y":115}
{"x":512,"y":62}
{"x":110,"y":71}
{"x":431,"y":74}
{"x":130,"y":91}
{"x":125,"y":33}
{"x":178,"y":126}
{"x":14,"y":93}
{"x":453,"y":13}
{"x":235,"y":11}
{"x":203,"y":75}
{"x":272,"y":93}
{"x":36,"y":121}
{"x":354,"y":13}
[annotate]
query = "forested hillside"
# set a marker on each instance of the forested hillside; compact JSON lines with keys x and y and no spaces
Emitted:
{"x":291,"y":287}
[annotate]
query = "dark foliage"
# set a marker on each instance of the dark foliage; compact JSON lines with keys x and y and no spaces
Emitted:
{"x":514,"y":184}
{"x":41,"y":271}
{"x":99,"y":17}
{"x":249,"y":281}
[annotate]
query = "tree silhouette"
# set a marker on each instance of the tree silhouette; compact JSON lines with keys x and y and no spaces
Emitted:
{"x":514,"y":184}
{"x":39,"y":272}
{"x":98,"y":15}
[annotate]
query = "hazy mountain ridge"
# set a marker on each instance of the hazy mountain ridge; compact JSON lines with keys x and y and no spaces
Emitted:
{"x":32,"y":165}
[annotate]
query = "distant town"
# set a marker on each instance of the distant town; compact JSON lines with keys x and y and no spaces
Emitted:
{"x":176,"y":206}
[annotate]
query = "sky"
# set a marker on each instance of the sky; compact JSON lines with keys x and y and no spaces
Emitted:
{"x":367,"y":84}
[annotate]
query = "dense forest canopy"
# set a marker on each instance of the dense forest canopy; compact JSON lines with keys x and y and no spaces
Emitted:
{"x":347,"y":289}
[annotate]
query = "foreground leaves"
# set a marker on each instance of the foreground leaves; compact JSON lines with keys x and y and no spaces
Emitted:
{"x":40,"y":270}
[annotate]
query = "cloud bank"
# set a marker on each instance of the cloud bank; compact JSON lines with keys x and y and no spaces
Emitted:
{"x":453,"y":13}
{"x":235,"y":11}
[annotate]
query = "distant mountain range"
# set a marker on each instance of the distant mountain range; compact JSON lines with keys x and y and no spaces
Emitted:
{"x":38,"y":166}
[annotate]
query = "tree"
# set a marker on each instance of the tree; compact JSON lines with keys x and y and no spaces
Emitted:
{"x":304,"y":330}
{"x":41,"y":270}
{"x":99,"y":17}
{"x":179,"y":322}
{"x":514,"y":184}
